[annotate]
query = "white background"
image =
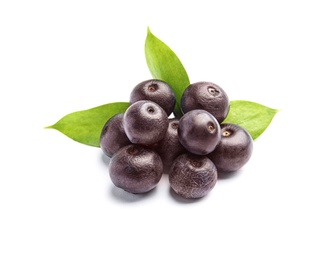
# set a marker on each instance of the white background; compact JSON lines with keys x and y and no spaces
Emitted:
{"x":56,"y":198}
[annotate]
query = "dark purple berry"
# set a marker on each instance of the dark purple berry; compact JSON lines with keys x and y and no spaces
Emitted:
{"x":192,"y":176}
{"x":145,"y":122}
{"x":169,"y":148}
{"x":199,"y":132}
{"x":113,"y":136}
{"x":234,"y":150}
{"x":207,"y":96}
{"x":157,"y":91}
{"x":135,"y":169}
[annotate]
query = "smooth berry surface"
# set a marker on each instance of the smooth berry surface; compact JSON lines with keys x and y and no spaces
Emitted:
{"x":199,"y":132}
{"x":207,"y":96}
{"x":234,"y":150}
{"x":157,"y":91}
{"x":145,"y":122}
{"x":113,"y":136}
{"x":169,"y":148}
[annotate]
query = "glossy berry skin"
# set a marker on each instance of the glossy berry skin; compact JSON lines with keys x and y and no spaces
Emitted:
{"x":145,"y":122}
{"x":157,"y":91}
{"x":192,"y":176}
{"x":135,"y":168}
{"x":113,"y":136}
{"x":169,"y":148}
{"x":234,"y":150}
{"x":199,"y":132}
{"x":207,"y":96}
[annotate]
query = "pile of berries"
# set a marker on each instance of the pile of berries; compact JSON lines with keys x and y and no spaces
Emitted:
{"x":147,"y":140}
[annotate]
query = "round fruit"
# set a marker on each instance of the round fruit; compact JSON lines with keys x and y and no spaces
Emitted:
{"x":135,"y":169}
{"x":207,"y":96}
{"x":157,"y":91}
{"x":113,"y":136}
{"x":145,"y":122}
{"x":234,"y":150}
{"x":199,"y":132}
{"x":169,"y":148}
{"x":192,"y":176}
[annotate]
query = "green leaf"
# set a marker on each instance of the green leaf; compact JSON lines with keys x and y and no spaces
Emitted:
{"x":85,"y":126}
{"x":164,"y":64}
{"x":254,"y":117}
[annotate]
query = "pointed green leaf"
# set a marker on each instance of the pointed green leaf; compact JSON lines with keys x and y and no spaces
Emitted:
{"x":254,"y":117}
{"x":85,"y":126}
{"x":164,"y":64}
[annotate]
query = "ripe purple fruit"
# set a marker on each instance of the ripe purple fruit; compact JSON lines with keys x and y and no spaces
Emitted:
{"x":145,"y":122}
{"x":192,"y":176}
{"x":234,"y":150}
{"x":135,"y":169}
{"x":113,"y":136}
{"x":199,"y":132}
{"x":157,"y":91}
{"x":207,"y":96}
{"x":169,"y":148}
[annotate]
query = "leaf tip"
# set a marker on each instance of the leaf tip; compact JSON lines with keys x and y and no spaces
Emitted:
{"x":49,"y":127}
{"x":53,"y":126}
{"x":149,"y":32}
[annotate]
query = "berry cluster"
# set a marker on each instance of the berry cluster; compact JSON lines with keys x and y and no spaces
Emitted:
{"x":146,"y":140}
